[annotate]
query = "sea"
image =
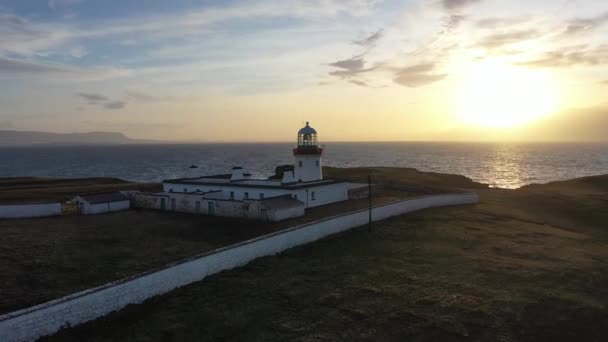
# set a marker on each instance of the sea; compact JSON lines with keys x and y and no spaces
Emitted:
{"x":504,"y":165}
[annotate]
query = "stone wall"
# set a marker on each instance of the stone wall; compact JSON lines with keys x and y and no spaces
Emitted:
{"x":47,"y":318}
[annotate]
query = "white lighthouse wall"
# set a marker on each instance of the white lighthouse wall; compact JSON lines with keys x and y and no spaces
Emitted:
{"x":311,"y":169}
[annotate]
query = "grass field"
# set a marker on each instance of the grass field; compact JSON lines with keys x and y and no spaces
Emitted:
{"x":47,"y":258}
{"x":529,"y":264}
{"x":32,"y":189}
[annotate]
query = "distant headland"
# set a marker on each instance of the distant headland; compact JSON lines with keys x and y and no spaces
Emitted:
{"x":28,"y":138}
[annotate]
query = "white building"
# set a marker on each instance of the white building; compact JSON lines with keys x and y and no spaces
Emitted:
{"x":102,"y":203}
{"x":238,"y":194}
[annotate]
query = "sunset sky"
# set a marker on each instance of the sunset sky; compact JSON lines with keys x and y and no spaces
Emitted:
{"x":257,"y":70}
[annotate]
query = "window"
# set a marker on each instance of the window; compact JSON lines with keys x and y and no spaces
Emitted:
{"x":300,"y":163}
{"x":185,"y":190}
{"x":231,"y":195}
{"x":246,"y":195}
{"x":312,"y":195}
{"x":317,"y":163}
{"x":261,"y":195}
{"x":170,"y":190}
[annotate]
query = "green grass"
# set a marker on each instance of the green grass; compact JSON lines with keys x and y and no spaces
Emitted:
{"x":47,"y":258}
{"x":521,"y":265}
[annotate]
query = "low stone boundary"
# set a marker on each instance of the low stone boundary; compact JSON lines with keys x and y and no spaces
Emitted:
{"x":47,"y":318}
{"x":23,"y":210}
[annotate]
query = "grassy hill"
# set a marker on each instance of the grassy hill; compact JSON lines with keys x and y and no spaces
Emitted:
{"x":32,"y":189}
{"x":522,"y":265}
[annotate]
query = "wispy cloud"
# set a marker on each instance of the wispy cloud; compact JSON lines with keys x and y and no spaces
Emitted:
{"x":578,"y":26}
{"x":500,"y":40}
{"x":114,"y":105}
{"x":144,"y":97}
{"x":418,"y":75}
{"x":92,"y":97}
{"x":501,"y":22}
{"x":453,"y":5}
{"x":12,"y":66}
{"x":56,"y":4}
{"x":102,"y":101}
{"x":570,"y":56}
{"x":371,"y":39}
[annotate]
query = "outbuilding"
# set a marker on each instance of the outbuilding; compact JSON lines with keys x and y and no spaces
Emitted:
{"x":100,"y":203}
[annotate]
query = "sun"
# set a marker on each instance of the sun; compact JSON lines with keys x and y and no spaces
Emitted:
{"x":499,"y":95}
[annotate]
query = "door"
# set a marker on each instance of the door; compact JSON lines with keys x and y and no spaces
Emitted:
{"x":198,"y":207}
{"x":162,"y":204}
{"x":173,"y":204}
{"x":211,"y":208}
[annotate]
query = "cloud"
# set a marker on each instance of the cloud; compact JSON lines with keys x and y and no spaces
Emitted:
{"x":55,"y":4}
{"x":578,"y":26}
{"x":453,"y":5}
{"x":18,"y":35}
{"x":91,"y":97}
{"x":78,"y":52}
{"x":359,"y":83}
{"x":371,"y":39}
{"x":58,"y":73}
{"x":11,"y":66}
{"x":352,"y":64}
{"x":114,"y":105}
{"x":137,"y":95}
{"x":418,"y":75}
{"x":499,"y":40}
{"x":102,"y":100}
{"x":494,"y":23}
{"x":568,"y":57}
{"x":453,"y":21}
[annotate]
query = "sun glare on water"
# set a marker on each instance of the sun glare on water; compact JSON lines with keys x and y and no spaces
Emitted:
{"x":499,"y":95}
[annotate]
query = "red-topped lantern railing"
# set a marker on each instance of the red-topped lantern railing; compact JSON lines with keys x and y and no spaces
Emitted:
{"x":301,"y":150}
{"x":307,"y":142}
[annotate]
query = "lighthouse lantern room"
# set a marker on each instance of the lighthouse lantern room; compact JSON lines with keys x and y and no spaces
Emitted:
{"x":307,"y":155}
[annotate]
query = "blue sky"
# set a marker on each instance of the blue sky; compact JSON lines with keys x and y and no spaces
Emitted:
{"x":213,"y":70}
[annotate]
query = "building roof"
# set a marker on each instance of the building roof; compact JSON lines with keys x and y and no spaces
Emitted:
{"x":250,"y":183}
{"x":281,"y":202}
{"x":307,"y":130}
{"x":104,"y":197}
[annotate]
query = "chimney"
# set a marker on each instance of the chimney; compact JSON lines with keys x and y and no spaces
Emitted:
{"x":237,"y":174}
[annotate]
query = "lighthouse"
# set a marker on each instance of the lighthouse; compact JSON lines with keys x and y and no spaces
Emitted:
{"x":307,"y":154}
{"x":287,"y":194}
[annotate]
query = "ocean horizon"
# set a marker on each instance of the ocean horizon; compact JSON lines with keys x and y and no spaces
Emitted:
{"x":505,"y":165}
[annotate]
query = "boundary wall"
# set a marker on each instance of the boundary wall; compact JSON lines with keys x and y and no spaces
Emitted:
{"x":47,"y":318}
{"x":23,"y":210}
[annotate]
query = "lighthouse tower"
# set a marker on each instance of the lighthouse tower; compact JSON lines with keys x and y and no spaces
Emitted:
{"x":307,"y":155}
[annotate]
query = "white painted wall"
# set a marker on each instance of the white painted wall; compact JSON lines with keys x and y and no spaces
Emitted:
{"x":284,"y":214}
{"x":187,"y":203}
{"x":22,"y":210}
{"x":324,"y":194}
{"x":45,"y":319}
{"x":311,"y":169}
{"x":99,"y":208}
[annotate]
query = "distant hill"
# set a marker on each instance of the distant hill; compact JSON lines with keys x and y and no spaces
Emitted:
{"x":26,"y":138}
